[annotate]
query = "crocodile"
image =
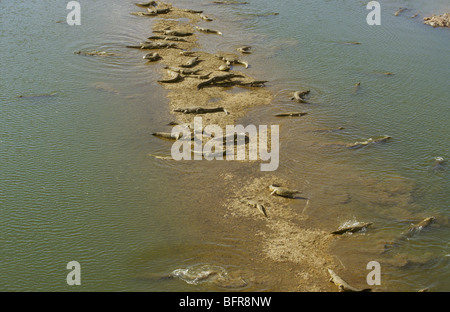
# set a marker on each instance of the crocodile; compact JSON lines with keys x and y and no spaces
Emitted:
{"x":152,"y":57}
{"x":343,"y":285}
{"x":206,"y":18}
{"x":352,"y":229}
{"x":143,"y":14}
{"x":200,"y":110}
{"x":146,"y":4}
{"x":357,"y":145}
{"x":192,"y":11}
{"x":208,"y":31}
{"x":176,"y":77}
{"x":169,"y":38}
{"x":191,"y":63}
{"x":154,"y":45}
{"x":291,"y":114}
{"x":282,"y":191}
{"x":299,"y":96}
{"x":257,"y":205}
{"x":215,"y":79}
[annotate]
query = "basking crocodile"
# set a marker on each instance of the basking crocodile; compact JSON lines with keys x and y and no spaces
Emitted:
{"x":215,"y":79}
{"x":191,"y":63}
{"x":95,"y":53}
{"x":183,"y":71}
{"x":143,"y":14}
{"x":170,"y":32}
{"x":205,"y":76}
{"x":343,"y":285}
{"x":244,"y":49}
{"x":208,"y":31}
{"x":176,"y":77}
{"x":200,"y":110}
{"x":169,"y":38}
{"x":187,"y":53}
{"x":152,"y":57}
{"x":192,"y":11}
{"x":232,"y":60}
{"x":254,"y":83}
{"x":224,"y":67}
{"x":282,"y":191}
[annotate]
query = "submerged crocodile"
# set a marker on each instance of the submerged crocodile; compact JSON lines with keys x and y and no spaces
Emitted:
{"x":170,"y":32}
{"x":291,"y":114}
{"x":169,"y":38}
{"x":244,"y":49}
{"x":95,"y":53}
{"x":357,"y":145}
{"x":152,"y":57}
{"x":154,"y":45}
{"x":159,"y":11}
{"x":352,"y":229}
{"x":183,"y":71}
{"x":232,"y":60}
{"x":412,"y":231}
{"x":191,"y":63}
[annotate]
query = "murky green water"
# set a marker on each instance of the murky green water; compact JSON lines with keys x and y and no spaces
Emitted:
{"x":76,"y":182}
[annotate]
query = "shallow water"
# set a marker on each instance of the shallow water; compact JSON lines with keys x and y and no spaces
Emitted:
{"x":77,"y":182}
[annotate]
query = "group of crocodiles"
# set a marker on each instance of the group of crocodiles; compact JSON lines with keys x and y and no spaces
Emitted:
{"x":169,"y":38}
{"x":412,"y":231}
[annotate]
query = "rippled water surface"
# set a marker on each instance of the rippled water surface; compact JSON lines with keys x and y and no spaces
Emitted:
{"x":76,"y":181}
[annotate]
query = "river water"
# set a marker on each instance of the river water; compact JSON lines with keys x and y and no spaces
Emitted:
{"x":76,"y":182}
